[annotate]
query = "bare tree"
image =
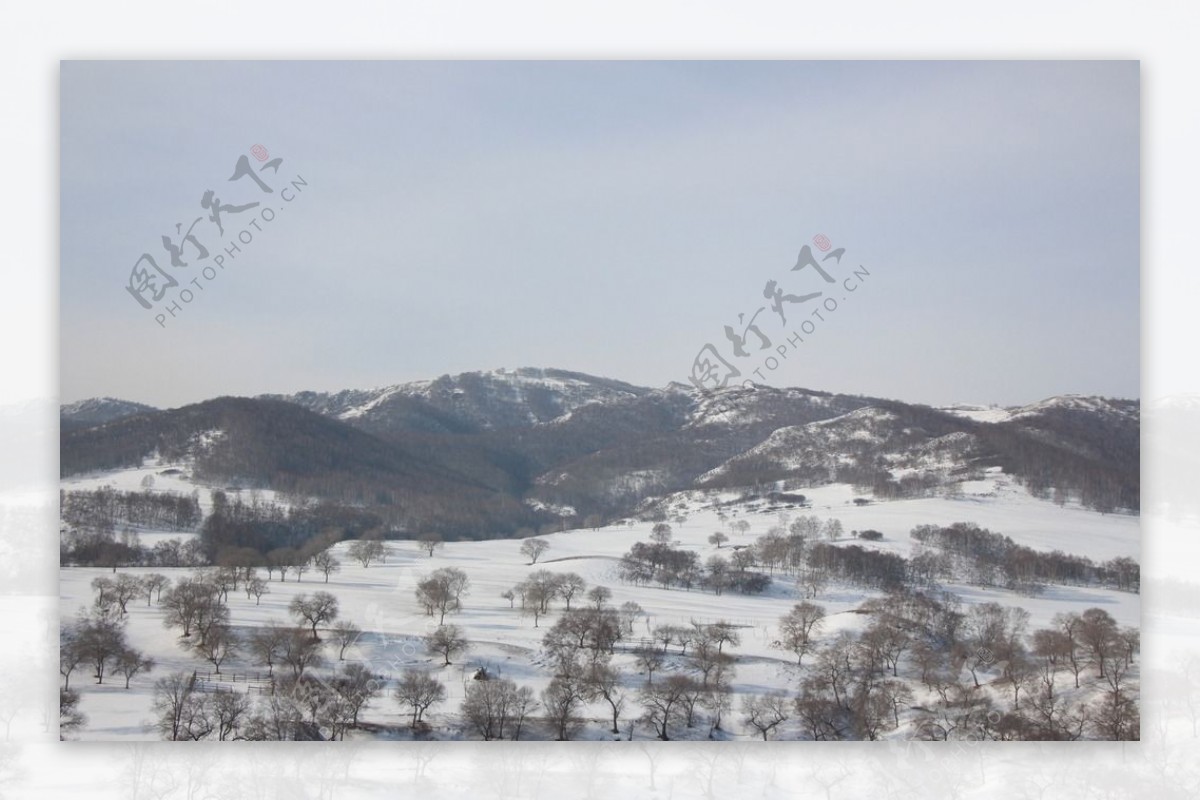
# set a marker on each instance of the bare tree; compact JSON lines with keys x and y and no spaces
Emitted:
{"x":717,"y":539}
{"x":569,"y":585}
{"x":649,"y":659}
{"x":131,"y":662}
{"x":282,"y":559}
{"x":267,"y":644}
{"x":718,"y":700}
{"x":209,"y":614}
{"x":765,"y":713}
{"x":1071,"y":625}
{"x":326,"y":563}
{"x":182,"y":604}
{"x":357,"y":688}
{"x":300,"y":651}
{"x":70,"y":719}
{"x":429,"y":542}
{"x":100,"y":640}
{"x":798,"y":627}
{"x":321,"y":608}
{"x":219,"y":645}
{"x":599,"y":596}
{"x":662,"y":702}
{"x":274,"y":719}
{"x":888,"y":640}
{"x":345,"y":634}
{"x":896,"y":696}
{"x":447,"y":642}
{"x":300,"y":567}
{"x":419,"y":691}
{"x":258,"y":588}
{"x":561,"y":700}
{"x":629,"y":613}
{"x":661,"y":534}
{"x":124,"y":588}
{"x":70,"y":652}
{"x":153,"y":585}
{"x":1099,"y":633}
{"x":227,"y":711}
{"x":366,"y":551}
{"x":834,"y":529}
{"x":534,"y":547}
{"x":707,"y":657}
{"x":605,"y":682}
{"x":182,"y":711}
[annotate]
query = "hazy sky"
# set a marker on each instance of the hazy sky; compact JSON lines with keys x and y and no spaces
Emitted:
{"x":606,"y":217}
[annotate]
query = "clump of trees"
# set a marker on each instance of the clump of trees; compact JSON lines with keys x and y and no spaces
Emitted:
{"x":419,"y":692}
{"x":107,"y":509}
{"x":302,"y":708}
{"x":542,"y":587}
{"x":967,"y":552}
{"x":442,"y":591}
{"x":660,"y":563}
{"x":366,"y":551}
{"x":496,"y":708}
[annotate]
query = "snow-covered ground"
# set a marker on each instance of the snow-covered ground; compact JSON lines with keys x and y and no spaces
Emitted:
{"x":380,"y":598}
{"x":166,"y":477}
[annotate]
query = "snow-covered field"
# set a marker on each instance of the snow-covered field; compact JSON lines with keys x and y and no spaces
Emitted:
{"x":381,"y":600}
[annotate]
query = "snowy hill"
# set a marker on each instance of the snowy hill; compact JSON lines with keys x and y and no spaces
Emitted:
{"x":470,"y":401}
{"x":96,"y":411}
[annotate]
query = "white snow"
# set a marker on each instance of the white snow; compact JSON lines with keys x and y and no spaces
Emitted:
{"x":980,"y":414}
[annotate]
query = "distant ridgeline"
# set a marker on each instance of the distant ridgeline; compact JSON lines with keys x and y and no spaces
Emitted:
{"x":509,"y":453}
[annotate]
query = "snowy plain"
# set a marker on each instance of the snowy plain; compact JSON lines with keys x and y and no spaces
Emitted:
{"x":380,"y":599}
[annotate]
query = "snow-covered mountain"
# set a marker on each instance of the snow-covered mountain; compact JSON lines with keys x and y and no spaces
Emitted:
{"x":504,"y":448}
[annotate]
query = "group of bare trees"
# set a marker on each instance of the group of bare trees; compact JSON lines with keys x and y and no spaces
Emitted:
{"x":967,"y":552}
{"x":442,"y":591}
{"x":497,"y":707}
{"x":108,"y":508}
{"x":990,"y":677}
{"x":101,"y":546}
{"x":678,"y":698}
{"x":97,"y":639}
{"x":806,"y":550}
{"x":304,"y":708}
{"x":541,"y":588}
{"x":301,"y":704}
{"x":197,"y":606}
{"x":659,"y":562}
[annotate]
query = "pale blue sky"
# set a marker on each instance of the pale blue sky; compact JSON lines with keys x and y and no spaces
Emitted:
{"x":609,"y":217}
